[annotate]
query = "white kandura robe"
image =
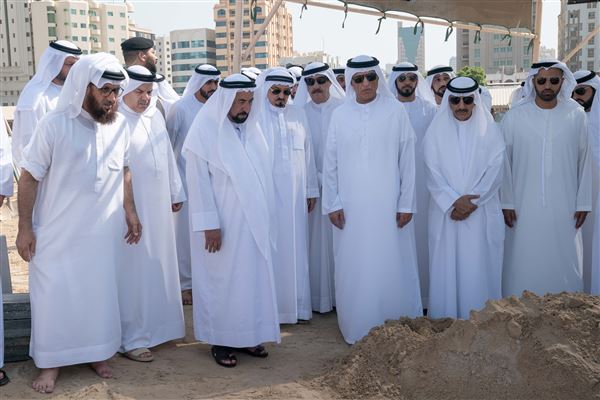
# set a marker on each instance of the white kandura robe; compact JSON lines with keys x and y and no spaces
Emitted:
{"x":148,"y":279}
{"x":592,"y":223}
{"x":549,"y":180}
{"x":421,"y":113}
{"x":179,"y":120}
{"x":79,"y":223}
{"x":466,"y":256}
{"x":26,"y":119}
{"x":235,"y":303}
{"x":295,"y":180}
{"x":320,"y":264}
{"x":369,"y":172}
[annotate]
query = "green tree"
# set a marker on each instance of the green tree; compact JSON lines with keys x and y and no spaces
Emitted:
{"x":476,"y":73}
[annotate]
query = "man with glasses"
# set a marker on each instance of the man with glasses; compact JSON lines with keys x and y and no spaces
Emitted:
{"x":587,"y":94}
{"x":547,"y":189}
{"x":75,"y":196}
{"x":369,"y":195}
{"x":320,"y":95}
{"x":339,"y":77}
{"x":437,"y":79}
{"x":296,"y":191}
{"x":464,"y":157}
{"x":200,"y":87}
{"x":410,"y":88}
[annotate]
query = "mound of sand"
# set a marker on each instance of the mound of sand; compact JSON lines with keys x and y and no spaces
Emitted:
{"x":532,"y":347}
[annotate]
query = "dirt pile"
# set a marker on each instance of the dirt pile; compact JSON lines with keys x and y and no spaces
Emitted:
{"x":532,"y":347}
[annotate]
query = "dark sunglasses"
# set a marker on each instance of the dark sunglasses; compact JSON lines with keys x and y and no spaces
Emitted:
{"x":106,"y":91}
{"x":286,"y":92}
{"x":580,"y":91}
{"x":410,"y":77}
{"x":456,"y":100}
{"x":370,"y":77}
{"x":321,"y":80}
{"x":542,"y":81}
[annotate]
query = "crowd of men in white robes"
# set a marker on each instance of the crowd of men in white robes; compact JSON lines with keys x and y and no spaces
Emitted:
{"x":266,"y":196}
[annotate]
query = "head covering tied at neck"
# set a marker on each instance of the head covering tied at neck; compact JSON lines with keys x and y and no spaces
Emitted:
{"x":296,"y":72}
{"x":138,"y":76}
{"x":439,"y":69}
{"x":486,"y":98}
{"x":566,"y":89}
{"x":97,"y":69}
{"x":202,"y":74}
{"x":422,"y":91}
{"x":251,"y":72}
{"x":591,"y":79}
{"x":361,"y":64}
{"x":270,"y":77}
{"x":338,"y":71}
{"x":312,"y":70}
{"x":51,"y":63}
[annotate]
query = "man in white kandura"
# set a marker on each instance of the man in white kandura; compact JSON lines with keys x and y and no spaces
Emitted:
{"x":547,"y":189}
{"x":339,"y":77}
{"x":288,"y":136}
{"x":148,"y":280}
{"x":72,"y":225}
{"x":464,"y":157}
{"x":410,"y":88}
{"x":232,"y":218}
{"x":320,"y":94}
{"x":587,"y":94}
{"x":369,"y":194}
{"x":437,"y":79}
{"x":200,"y":87}
{"x":41,"y":93}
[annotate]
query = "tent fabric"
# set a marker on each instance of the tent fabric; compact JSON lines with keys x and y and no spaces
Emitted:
{"x":506,"y":13}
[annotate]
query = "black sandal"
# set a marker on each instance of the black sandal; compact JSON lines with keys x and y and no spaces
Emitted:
{"x":222,"y":354}
{"x":258,"y":351}
{"x":4,"y":379}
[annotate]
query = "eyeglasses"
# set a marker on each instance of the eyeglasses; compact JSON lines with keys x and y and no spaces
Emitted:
{"x":468,"y":100}
{"x":277,"y":91}
{"x":107,"y":91}
{"x":554,"y":81}
{"x":580,"y":91}
{"x":321,"y":80}
{"x":370,"y":77}
{"x":410,"y":77}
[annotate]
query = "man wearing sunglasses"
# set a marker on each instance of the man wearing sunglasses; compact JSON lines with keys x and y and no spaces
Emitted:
{"x":464,"y":156}
{"x":410,"y":88}
{"x":339,"y":77}
{"x":547,"y":189}
{"x":320,"y":94}
{"x":437,"y":79}
{"x":369,"y":195}
{"x":296,"y":187}
{"x":200,"y":87}
{"x":587,"y":94}
{"x":74,"y":194}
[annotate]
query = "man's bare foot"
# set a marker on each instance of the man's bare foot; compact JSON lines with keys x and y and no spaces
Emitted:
{"x":46,"y":380}
{"x":102,"y":369}
{"x":186,"y":297}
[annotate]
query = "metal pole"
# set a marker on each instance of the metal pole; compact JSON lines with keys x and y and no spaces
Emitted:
{"x":237,"y":37}
{"x":261,"y":30}
{"x":537,"y":28}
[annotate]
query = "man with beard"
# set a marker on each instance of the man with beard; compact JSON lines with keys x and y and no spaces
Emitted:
{"x":587,"y":94}
{"x":74,"y":196}
{"x":437,"y":79}
{"x":409,"y":87}
{"x":547,"y":189}
{"x":200,"y":87}
{"x":140,"y":51}
{"x":320,"y":95}
{"x":369,"y":194}
{"x":41,"y":93}
{"x":296,"y":190}
{"x":232,"y":224}
{"x":339,"y":77}
{"x":151,"y":312}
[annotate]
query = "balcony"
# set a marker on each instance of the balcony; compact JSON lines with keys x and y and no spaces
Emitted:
{"x":94,"y":18}
{"x":96,"y":46}
{"x":95,"y":32}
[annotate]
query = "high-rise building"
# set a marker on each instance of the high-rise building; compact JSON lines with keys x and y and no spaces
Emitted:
{"x":275,"y":43}
{"x":16,"y":55}
{"x":575,"y":22}
{"x":411,"y":45}
{"x":163,"y":53}
{"x":452,"y":62}
{"x":547,"y":53}
{"x":190,"y":47}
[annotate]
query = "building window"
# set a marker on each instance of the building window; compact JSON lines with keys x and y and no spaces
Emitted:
{"x":222,"y":46}
{"x":197,"y":43}
{"x":123,"y":28}
{"x":259,"y":21}
{"x":51,"y":17}
{"x":477,"y":53}
{"x":183,"y":45}
{"x":92,"y":13}
{"x":220,"y":23}
{"x":210,"y":43}
{"x":231,"y":1}
{"x":591,"y":53}
{"x":591,"y":26}
{"x":109,"y":13}
{"x":261,"y":44}
{"x":220,"y":58}
{"x":51,"y":31}
{"x":221,"y":35}
{"x":257,"y":10}
{"x":111,"y":27}
{"x":112,"y":39}
{"x":122,"y":15}
{"x":261,"y":55}
{"x":84,"y":39}
{"x":81,"y":12}
{"x":173,"y":45}
{"x":590,"y":65}
{"x":74,"y":24}
{"x":73,"y":11}
{"x":83,"y":25}
{"x":74,"y":38}
{"x":221,"y":12}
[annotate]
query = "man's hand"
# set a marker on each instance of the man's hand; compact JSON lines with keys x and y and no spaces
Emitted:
{"x":213,"y":240}
{"x":176,"y":207}
{"x":458,"y":216}
{"x":312,"y":202}
{"x":510,"y":216}
{"x":26,"y":243}
{"x":134,"y":227}
{"x":580,"y":218}
{"x":402,"y":219}
{"x":463,"y":203}
{"x":337,"y":219}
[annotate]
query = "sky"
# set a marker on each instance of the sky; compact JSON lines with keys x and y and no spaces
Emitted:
{"x":358,"y":36}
